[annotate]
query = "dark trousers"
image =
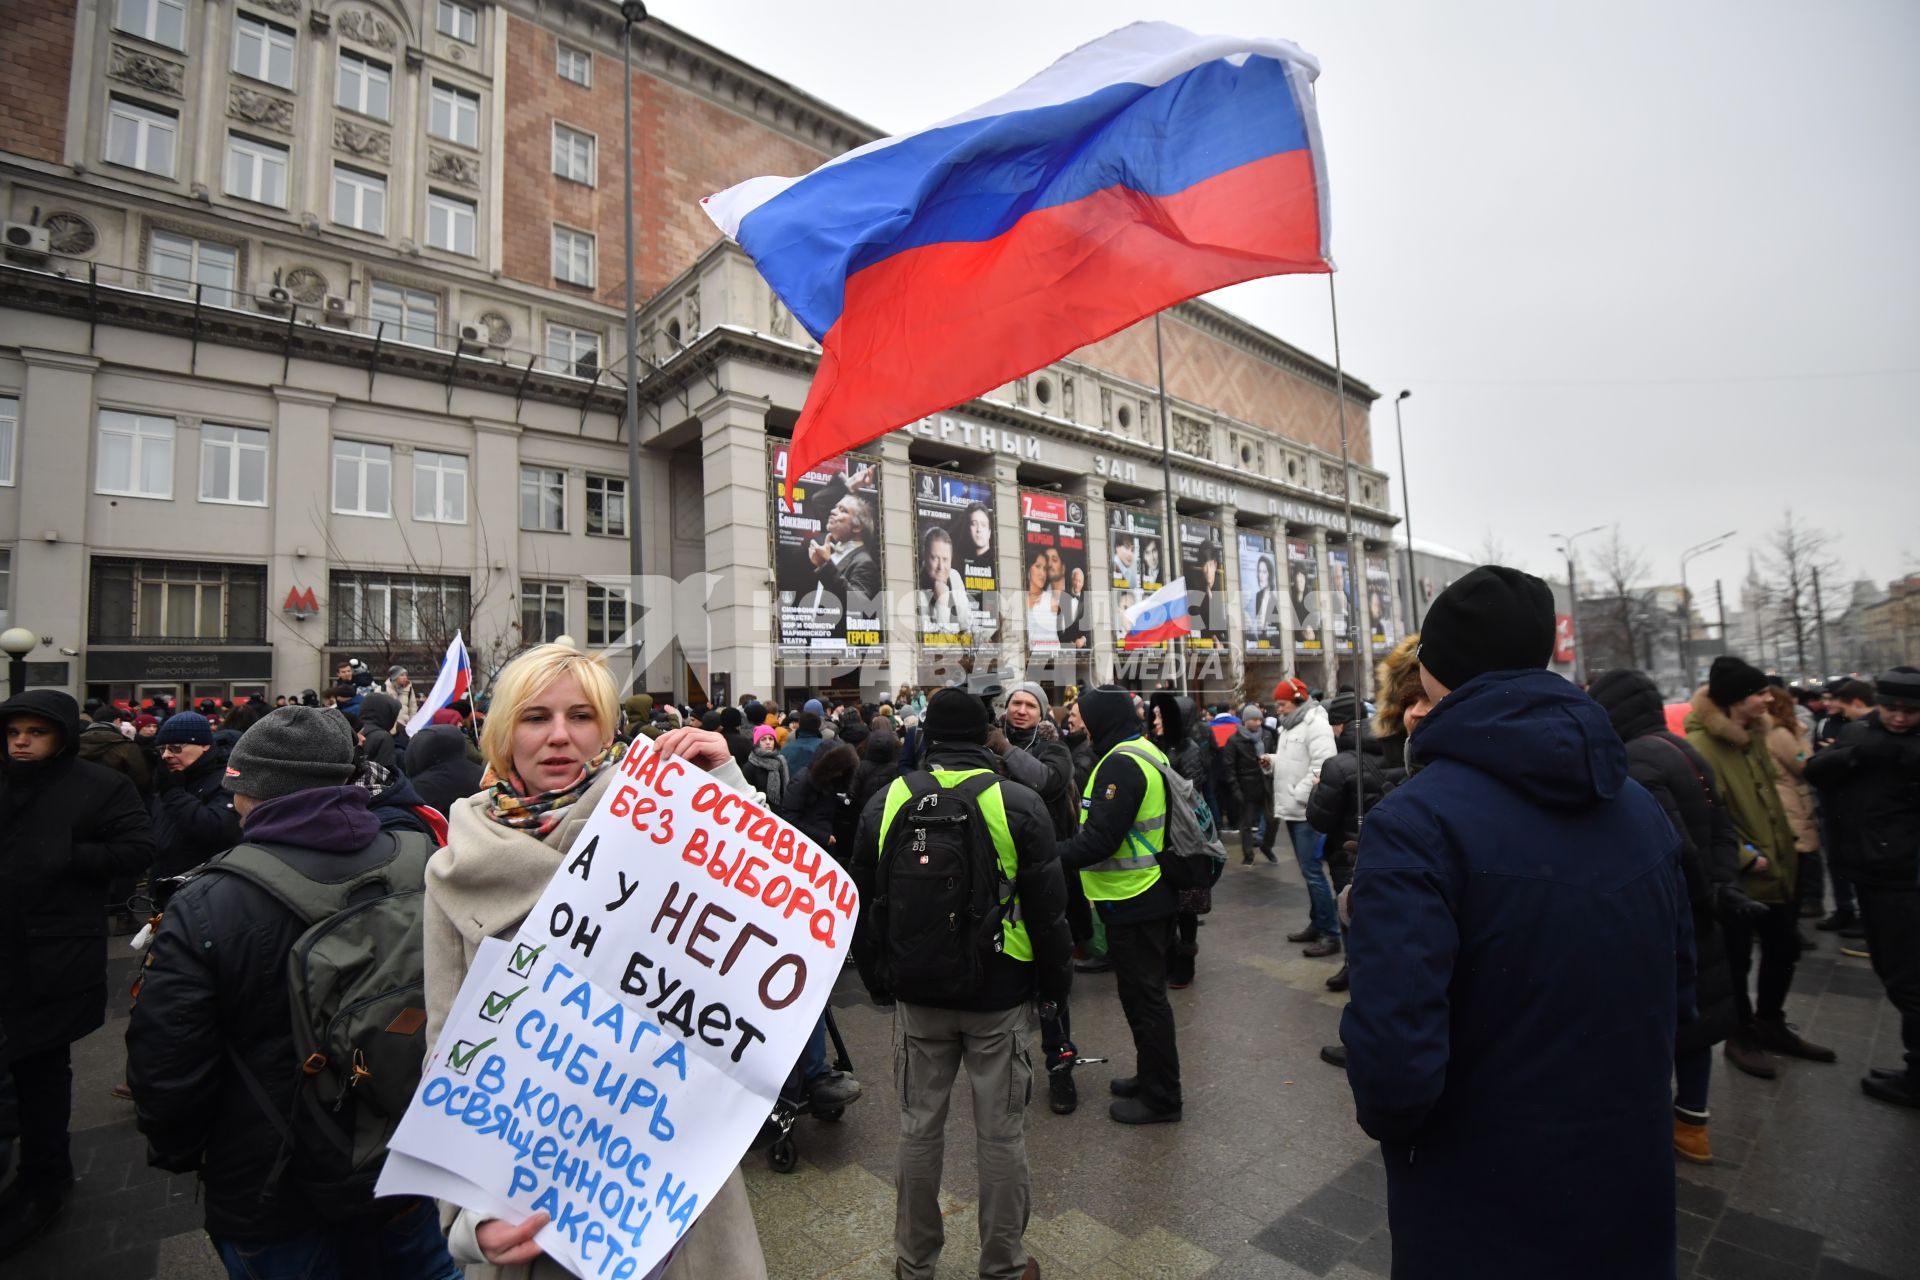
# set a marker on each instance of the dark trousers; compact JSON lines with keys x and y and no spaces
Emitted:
{"x":1778,"y":936}
{"x":408,"y":1246}
{"x":1186,"y":947}
{"x":1893,"y":936}
{"x":44,"y":1083}
{"x":1139,"y":955}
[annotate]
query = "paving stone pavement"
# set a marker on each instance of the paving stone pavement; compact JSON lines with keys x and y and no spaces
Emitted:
{"x":1266,"y":1177}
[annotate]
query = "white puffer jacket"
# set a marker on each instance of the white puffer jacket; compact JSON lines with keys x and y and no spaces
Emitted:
{"x":1303,"y":748}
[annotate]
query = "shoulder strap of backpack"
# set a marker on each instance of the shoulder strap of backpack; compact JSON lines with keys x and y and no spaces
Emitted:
{"x":313,"y":900}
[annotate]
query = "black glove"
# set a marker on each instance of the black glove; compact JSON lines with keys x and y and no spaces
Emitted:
{"x":1734,"y":904}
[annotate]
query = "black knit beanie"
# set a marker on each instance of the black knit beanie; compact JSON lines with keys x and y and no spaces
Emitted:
{"x":954,"y":715}
{"x":1493,"y":619}
{"x":1729,"y":680}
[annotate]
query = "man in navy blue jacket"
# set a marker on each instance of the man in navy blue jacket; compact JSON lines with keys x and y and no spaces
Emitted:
{"x":1525,"y":953}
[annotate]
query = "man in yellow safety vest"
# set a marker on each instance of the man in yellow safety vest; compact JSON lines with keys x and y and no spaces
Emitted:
{"x":1123,"y":827}
{"x":966,"y":926}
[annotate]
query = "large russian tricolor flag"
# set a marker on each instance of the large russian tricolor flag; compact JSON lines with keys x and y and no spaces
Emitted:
{"x":451,"y":685}
{"x":1162,"y":616}
{"x":1142,"y":169}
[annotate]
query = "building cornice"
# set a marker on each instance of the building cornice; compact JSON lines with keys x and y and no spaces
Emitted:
{"x":1216,"y":321}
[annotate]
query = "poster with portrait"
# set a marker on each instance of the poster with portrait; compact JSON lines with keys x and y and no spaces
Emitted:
{"x":1053,"y":559}
{"x":1303,"y":596}
{"x":1260,"y":593}
{"x":956,"y":582}
{"x":1339,"y":569}
{"x":826,"y":558}
{"x":1137,"y":554}
{"x":1203,"y":557}
{"x":1379,"y":604}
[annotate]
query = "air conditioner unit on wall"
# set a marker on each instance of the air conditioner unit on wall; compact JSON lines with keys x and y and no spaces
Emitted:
{"x":471,"y":340}
{"x":275,"y":301}
{"x":27,"y":243}
{"x":334,"y":311}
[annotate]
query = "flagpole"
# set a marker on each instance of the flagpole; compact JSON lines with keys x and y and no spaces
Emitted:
{"x":1171,"y":544}
{"x":1360,"y":646}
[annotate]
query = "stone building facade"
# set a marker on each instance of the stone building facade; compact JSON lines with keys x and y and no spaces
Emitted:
{"x":311,"y":345}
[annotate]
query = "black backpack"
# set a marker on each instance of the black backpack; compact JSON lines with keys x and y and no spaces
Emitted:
{"x":356,"y":989}
{"x":940,"y":898}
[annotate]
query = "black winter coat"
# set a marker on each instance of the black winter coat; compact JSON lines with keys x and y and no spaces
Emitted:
{"x":1680,"y":778}
{"x":812,"y":809}
{"x":1333,"y":805}
{"x":1113,"y":798}
{"x":1869,"y":782}
{"x":438,"y":767}
{"x":193,"y":816}
{"x":1006,"y":983}
{"x":104,"y":745}
{"x":71,"y":828}
{"x":215,"y":984}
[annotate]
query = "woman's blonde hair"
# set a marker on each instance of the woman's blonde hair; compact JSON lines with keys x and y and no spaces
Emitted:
{"x":530,"y":675}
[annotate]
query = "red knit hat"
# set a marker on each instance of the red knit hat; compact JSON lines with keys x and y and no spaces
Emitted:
{"x":1292,"y":689}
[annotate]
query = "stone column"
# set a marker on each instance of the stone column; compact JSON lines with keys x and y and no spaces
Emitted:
{"x":1235,"y":597}
{"x":897,"y":554}
{"x":740,"y":622}
{"x":1329,"y":650}
{"x":302,"y":495}
{"x":1011,"y":607}
{"x":53,"y":454}
{"x":1099,"y":601}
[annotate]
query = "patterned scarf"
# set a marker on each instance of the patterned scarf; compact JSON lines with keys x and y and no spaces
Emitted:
{"x":509,"y":804}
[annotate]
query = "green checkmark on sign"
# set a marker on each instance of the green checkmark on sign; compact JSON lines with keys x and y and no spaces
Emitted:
{"x":523,"y":958}
{"x":495,"y":1006}
{"x":461,"y":1056}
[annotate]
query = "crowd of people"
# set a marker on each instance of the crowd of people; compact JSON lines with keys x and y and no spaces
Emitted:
{"x":1544,"y":901}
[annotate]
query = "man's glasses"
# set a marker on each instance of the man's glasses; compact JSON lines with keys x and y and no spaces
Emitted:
{"x":174,"y":748}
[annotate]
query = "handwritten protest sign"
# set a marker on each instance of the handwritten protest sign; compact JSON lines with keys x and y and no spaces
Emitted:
{"x":610,"y":1064}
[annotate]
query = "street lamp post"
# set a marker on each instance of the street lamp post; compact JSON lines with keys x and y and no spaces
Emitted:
{"x":1688,"y":667}
{"x":17,"y":643}
{"x":1573,"y":600}
{"x":1406,"y":517}
{"x":633,"y":11}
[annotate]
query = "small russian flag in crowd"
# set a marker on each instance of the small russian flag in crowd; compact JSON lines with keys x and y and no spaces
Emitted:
{"x":452,"y":684}
{"x":1145,"y":168}
{"x":1164,"y":615}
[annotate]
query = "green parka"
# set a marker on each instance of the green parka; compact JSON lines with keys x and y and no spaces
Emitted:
{"x":1747,"y":782}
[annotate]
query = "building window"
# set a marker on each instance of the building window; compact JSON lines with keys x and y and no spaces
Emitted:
{"x":141,"y":137}
{"x":359,"y":200}
{"x":572,"y":256}
{"x":573,"y":154}
{"x":409,"y":315}
{"x":9,"y":437}
{"x":574,"y":351}
{"x":458,"y":20}
{"x":607,"y":506}
{"x":390,"y":609}
{"x":575,"y":65}
{"x":256,"y":171}
{"x":543,"y":499}
{"x":175,"y":264}
{"x":175,"y":600}
{"x":607,"y":616}
{"x":262,"y":51}
{"x":161,"y":21}
{"x":362,"y":478}
{"x":364,"y":86}
{"x":450,"y":223}
{"x":543,"y":612}
{"x":233,"y":465}
{"x":136,"y":455}
{"x":454,"y":115}
{"x":439,"y":487}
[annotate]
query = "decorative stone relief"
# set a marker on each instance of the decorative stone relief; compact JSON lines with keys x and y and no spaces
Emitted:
{"x":498,"y":328}
{"x":1020,"y":392}
{"x":306,"y":285}
{"x":365,"y":28}
{"x":259,"y":108}
{"x":451,"y":166}
{"x":70,"y":234}
{"x":1192,"y":436}
{"x":145,"y":70}
{"x":779,"y":319}
{"x":1066,"y":397}
{"x":1106,"y":406}
{"x":1144,"y":419}
{"x":693,"y":313}
{"x":362,"y":141}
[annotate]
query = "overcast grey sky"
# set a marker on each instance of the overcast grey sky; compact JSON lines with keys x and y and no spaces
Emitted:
{"x":1648,"y":262}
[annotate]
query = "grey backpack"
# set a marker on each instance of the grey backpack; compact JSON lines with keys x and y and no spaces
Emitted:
{"x":355,"y":985}
{"x":1192,"y":857}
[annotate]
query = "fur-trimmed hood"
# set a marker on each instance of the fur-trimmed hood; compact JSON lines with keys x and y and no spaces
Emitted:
{"x":1716,"y":721}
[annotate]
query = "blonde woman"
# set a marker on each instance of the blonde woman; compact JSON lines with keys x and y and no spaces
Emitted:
{"x":550,"y":744}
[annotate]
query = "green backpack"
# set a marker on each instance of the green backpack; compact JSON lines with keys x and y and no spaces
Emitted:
{"x":356,"y":988}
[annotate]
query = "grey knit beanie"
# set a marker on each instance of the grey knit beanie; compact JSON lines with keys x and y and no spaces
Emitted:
{"x":1039,"y":695}
{"x":291,"y":749}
